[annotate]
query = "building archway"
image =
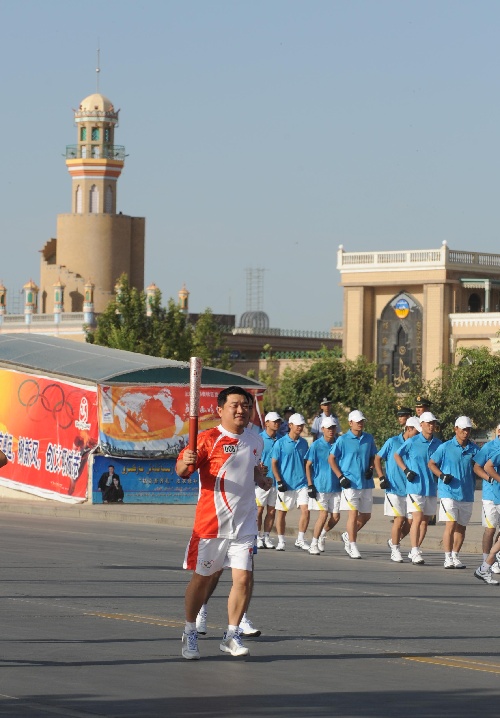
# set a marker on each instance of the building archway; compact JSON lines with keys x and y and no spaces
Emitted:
{"x":399,"y":340}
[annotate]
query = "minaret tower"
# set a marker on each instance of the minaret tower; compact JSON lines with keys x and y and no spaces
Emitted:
{"x":94,"y":240}
{"x":95,"y":163}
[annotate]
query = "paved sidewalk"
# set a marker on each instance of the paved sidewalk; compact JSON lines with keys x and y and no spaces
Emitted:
{"x":377,"y":531}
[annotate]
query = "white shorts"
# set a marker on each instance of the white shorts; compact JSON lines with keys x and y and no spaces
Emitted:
{"x":207,"y":556}
{"x":289,"y":499}
{"x":326,"y":501}
{"x":426,"y":505}
{"x":266,"y":498}
{"x":357,"y":500}
{"x":491,"y":514}
{"x":459,"y":511}
{"x":394,"y":505}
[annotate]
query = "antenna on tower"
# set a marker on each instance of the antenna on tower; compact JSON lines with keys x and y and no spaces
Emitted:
{"x":98,"y":68}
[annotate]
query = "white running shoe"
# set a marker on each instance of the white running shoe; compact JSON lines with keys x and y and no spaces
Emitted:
{"x":280,"y":546}
{"x":485,"y":576}
{"x":233,"y":644}
{"x":268,"y":543}
{"x":314,"y":550}
{"x":201,"y":622}
{"x":190,"y":646}
{"x":396,"y":555}
{"x":417,"y":558}
{"x":321,"y":543}
{"x":354,"y":552}
{"x":302,"y":544}
{"x":457,"y":563}
{"x":260,"y":542}
{"x":247,"y":629}
{"x":448,"y":562}
{"x":495,"y":568}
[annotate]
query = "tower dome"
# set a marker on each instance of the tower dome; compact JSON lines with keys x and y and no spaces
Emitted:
{"x":96,"y":106}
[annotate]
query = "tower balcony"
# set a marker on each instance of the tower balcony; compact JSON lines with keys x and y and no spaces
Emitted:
{"x":95,"y":152}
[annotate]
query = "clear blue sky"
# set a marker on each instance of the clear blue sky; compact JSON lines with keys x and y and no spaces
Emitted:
{"x":260,"y":133}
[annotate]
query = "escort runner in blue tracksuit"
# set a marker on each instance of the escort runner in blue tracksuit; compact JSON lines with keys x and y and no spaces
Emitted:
{"x":453,"y":465}
{"x":491,"y":495}
{"x":413,"y":458}
{"x":394,"y":483}
{"x":288,"y":468}
{"x":267,"y":498}
{"x":323,"y":485}
{"x":351,"y":459}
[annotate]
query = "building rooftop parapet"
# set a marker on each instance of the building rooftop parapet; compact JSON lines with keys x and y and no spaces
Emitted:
{"x":416,"y":259}
{"x":475,"y":319}
{"x":300,"y":333}
{"x":69,"y":317}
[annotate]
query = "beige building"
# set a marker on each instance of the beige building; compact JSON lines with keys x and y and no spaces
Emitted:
{"x":410,"y":311}
{"x":94,"y":243}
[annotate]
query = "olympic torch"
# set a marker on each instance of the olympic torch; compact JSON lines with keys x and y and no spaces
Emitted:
{"x":195,"y":367}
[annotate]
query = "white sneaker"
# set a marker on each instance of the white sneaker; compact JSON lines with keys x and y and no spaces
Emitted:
{"x":354,"y":552}
{"x":302,"y":544}
{"x":233,"y":644}
{"x":485,"y":576}
{"x":416,"y":557}
{"x":314,"y":550}
{"x":457,"y":563}
{"x":260,"y":542}
{"x":201,"y":622}
{"x":321,"y":543}
{"x":280,"y":546}
{"x":268,"y":543}
{"x":495,"y":568}
{"x":247,"y":629}
{"x":396,"y":555}
{"x":190,"y":646}
{"x":448,"y":562}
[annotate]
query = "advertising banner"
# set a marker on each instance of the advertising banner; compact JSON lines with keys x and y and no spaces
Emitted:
{"x":151,"y":481}
{"x":47,"y":429}
{"x":153,"y":420}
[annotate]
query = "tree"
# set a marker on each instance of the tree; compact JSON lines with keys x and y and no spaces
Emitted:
{"x":305,"y":386}
{"x":472,"y":388}
{"x":124,"y":324}
{"x":208,"y":341}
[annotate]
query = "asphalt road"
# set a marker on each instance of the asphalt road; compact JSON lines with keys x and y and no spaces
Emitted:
{"x":92,"y":613}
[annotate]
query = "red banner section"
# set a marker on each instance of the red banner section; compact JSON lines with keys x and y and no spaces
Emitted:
{"x":153,"y":420}
{"x":47,"y":429}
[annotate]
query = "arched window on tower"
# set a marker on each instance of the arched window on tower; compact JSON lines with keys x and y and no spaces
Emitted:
{"x":94,"y":200}
{"x":78,"y":200}
{"x":108,"y":204}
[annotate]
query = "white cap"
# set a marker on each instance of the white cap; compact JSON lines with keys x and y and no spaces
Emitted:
{"x":463,"y":422}
{"x":328,"y":421}
{"x":414,"y":421}
{"x":427,"y":416}
{"x":272,"y":416}
{"x":356,"y":416}
{"x":296,"y":419}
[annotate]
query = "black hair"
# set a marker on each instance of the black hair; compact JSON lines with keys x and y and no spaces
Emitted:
{"x":222,"y":398}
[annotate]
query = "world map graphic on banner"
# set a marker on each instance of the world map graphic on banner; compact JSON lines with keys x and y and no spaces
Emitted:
{"x":152,"y":419}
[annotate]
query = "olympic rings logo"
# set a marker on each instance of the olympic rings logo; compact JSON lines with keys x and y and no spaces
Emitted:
{"x":52,"y":398}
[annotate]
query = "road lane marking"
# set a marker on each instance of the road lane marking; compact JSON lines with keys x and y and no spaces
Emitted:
{"x":450,"y":662}
{"x":132,"y":618}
